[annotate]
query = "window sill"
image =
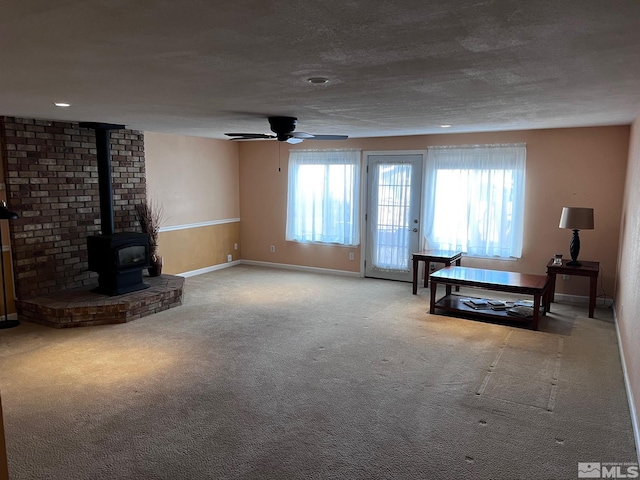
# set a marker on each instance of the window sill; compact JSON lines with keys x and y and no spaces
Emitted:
{"x":323,"y":244}
{"x":502,"y":259}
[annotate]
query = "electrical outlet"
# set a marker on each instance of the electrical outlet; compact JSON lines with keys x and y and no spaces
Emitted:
{"x":352,"y":256}
{"x":229,"y":258}
{"x":272,"y":248}
{"x":235,"y":246}
{"x":566,"y":277}
{"x":432,"y":267}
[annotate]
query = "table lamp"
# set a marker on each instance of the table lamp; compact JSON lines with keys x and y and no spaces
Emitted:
{"x":576,"y":218}
{"x":5,"y":214}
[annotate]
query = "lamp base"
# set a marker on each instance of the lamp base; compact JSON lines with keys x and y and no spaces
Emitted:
{"x":574,"y":249}
{"x":573,"y":263}
{"x":9,"y":323}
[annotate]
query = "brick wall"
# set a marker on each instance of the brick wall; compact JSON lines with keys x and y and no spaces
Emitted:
{"x":51,"y":176}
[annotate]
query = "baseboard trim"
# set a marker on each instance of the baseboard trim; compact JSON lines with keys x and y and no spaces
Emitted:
{"x":580,"y":299}
{"x":213,"y":268}
{"x":635,"y":421}
{"x":282,"y":266}
{"x":301,"y":268}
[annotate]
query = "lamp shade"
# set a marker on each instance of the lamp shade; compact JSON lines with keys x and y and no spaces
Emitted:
{"x":576,"y":218}
{"x":5,"y":213}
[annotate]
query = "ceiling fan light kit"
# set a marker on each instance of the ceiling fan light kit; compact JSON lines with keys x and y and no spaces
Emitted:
{"x":284,"y":129}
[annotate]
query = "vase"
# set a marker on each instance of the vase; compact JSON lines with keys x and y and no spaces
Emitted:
{"x":155,"y":270}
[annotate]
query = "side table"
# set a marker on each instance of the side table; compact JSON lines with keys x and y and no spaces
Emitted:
{"x":586,"y":269}
{"x":437,"y":256}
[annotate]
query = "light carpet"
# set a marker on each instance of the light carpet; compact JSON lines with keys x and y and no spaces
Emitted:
{"x":275,"y":374}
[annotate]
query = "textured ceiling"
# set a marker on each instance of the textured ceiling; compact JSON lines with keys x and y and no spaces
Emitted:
{"x":395,"y":68}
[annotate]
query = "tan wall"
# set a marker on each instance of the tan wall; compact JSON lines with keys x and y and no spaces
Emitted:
{"x":11,"y":304}
{"x":4,"y":472}
{"x":8,"y":271}
{"x":627,"y":303}
{"x":11,"y":308}
{"x":195,"y":248}
{"x":196,"y":180}
{"x":565,"y":167}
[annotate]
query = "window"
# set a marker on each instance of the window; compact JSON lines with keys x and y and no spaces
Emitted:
{"x":323,"y":196}
{"x":474,"y":199}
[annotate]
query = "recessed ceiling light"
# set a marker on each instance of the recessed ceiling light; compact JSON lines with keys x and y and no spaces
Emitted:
{"x":318,"y":80}
{"x":445,"y":126}
{"x":62,"y":104}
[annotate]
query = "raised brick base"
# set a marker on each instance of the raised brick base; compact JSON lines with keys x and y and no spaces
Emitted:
{"x":80,"y":307}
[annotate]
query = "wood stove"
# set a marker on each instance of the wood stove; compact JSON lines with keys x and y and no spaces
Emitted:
{"x":118,"y":258}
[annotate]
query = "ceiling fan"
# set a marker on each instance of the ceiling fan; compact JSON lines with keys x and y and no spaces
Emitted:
{"x":284,"y":127}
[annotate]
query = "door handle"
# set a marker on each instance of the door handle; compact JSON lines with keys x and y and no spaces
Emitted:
{"x":413,"y":230}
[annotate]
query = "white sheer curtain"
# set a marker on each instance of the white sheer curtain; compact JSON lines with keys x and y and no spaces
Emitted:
{"x":323,"y":196}
{"x":474,"y":199}
{"x":389,"y":222}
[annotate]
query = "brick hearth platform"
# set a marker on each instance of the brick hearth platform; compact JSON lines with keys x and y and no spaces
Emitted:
{"x":80,"y":307}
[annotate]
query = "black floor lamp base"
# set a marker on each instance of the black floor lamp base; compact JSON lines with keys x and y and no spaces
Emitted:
{"x":9,"y":324}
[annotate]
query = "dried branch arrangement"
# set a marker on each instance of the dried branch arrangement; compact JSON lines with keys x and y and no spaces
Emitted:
{"x":150,"y":218}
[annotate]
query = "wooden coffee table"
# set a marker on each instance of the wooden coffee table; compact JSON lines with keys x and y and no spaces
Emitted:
{"x":510,"y":282}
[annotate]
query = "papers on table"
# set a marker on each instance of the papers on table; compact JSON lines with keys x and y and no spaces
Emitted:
{"x":520,"y":308}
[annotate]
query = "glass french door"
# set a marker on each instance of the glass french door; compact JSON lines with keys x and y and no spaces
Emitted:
{"x":394,"y":187}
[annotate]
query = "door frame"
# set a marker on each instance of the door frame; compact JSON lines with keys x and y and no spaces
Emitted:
{"x":364,"y":194}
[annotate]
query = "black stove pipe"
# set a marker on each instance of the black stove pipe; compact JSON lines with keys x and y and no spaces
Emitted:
{"x":103,"y":153}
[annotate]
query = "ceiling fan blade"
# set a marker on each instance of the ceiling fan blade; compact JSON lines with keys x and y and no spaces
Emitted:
{"x":302,"y":135}
{"x":249,"y":136}
{"x":294,"y":140}
{"x":329,"y":137}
